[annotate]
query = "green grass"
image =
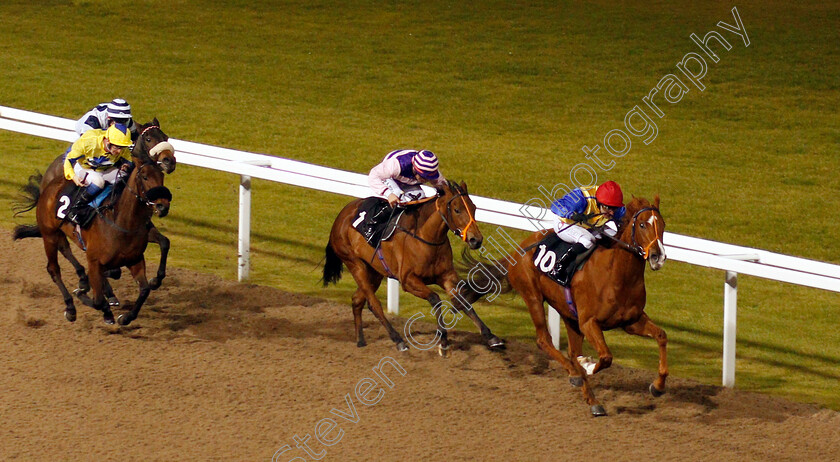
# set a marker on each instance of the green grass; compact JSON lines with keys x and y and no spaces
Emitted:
{"x":507,"y":104}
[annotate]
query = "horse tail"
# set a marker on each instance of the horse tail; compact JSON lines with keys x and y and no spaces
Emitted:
{"x":492,"y":273}
{"x":31,"y":193}
{"x":332,"y":267}
{"x":24,"y":231}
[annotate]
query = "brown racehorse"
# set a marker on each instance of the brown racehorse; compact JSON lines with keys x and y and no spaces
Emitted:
{"x":115,"y":238}
{"x":151,"y":142}
{"x":609,"y":293}
{"x":418,"y":254}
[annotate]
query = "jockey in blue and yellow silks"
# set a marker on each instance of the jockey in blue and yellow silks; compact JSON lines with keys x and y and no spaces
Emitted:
{"x":94,"y":160}
{"x":584,"y":215}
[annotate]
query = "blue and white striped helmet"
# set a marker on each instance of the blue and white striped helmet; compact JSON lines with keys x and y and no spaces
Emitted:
{"x":426,"y":165}
{"x":118,"y":109}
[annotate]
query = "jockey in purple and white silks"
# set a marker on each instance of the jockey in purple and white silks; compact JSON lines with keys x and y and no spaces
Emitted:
{"x":399,"y":176}
{"x":103,"y":115}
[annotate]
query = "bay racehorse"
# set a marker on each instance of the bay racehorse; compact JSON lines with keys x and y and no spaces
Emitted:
{"x":609,"y":293}
{"x":418,"y":254}
{"x":116,"y":237}
{"x":151,"y":142}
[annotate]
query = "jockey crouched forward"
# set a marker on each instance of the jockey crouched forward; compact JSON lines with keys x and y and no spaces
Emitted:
{"x":584,"y":215}
{"x":398,"y":178}
{"x":94,"y":160}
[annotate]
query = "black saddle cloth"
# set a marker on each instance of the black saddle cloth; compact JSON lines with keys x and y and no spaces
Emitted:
{"x":550,"y":250}
{"x":372,"y":220}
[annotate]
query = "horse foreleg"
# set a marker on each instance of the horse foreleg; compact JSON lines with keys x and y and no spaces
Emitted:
{"x":413,"y":285}
{"x":97,"y":285}
{"x":450,"y":284}
{"x":646,"y":328}
{"x":51,"y":247}
{"x":365,"y":281}
{"x":576,"y":344}
{"x":593,"y":333}
{"x":138,"y":271}
{"x":163,"y":241}
{"x":109,"y":292}
{"x":67,"y":252}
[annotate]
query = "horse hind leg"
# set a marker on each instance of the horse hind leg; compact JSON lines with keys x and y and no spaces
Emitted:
{"x":97,"y":285}
{"x":646,"y":328}
{"x":368,"y":284}
{"x":51,"y":247}
{"x":67,"y":252}
{"x":359,"y":300}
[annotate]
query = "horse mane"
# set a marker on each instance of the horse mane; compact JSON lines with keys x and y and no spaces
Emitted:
{"x":638,"y":203}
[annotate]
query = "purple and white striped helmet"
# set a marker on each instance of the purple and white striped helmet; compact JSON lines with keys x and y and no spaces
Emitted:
{"x":426,"y":165}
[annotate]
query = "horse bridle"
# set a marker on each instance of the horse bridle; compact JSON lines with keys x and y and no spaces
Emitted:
{"x":157,"y":191}
{"x":462,"y":233}
{"x":634,"y":247}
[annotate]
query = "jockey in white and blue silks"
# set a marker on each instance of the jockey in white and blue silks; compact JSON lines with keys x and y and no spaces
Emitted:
{"x":584,"y":215}
{"x":399,"y":176}
{"x":103,"y":115}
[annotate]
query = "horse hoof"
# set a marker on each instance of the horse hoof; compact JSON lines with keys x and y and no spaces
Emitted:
{"x":656,"y":393}
{"x":80,"y":291}
{"x":113,"y":301}
{"x":108,"y":318}
{"x":402,"y":346}
{"x":598,"y":410}
{"x":495,"y":343}
{"x":70,"y":315}
{"x":154,"y":283}
{"x":576,"y":381}
{"x":361,"y":343}
{"x":444,"y":351}
{"x":123,"y":320}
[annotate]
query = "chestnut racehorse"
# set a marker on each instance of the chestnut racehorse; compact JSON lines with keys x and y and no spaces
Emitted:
{"x":609,"y":293}
{"x":418,"y":254}
{"x":116,"y":237}
{"x":151,"y":142}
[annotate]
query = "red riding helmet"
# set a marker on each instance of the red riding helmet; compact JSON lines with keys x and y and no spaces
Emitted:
{"x":610,"y":194}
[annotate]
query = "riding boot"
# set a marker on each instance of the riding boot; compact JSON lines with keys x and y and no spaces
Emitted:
{"x":374,"y":220}
{"x":564,"y":268}
{"x":79,"y":212}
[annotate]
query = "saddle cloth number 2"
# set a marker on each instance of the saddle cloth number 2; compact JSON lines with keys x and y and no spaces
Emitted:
{"x":62,"y":209}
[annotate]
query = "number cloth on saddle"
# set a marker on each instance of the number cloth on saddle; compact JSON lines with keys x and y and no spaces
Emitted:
{"x":371,"y":220}
{"x":549,"y":251}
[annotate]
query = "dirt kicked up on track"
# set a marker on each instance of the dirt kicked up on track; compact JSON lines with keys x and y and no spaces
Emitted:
{"x":215,"y":370}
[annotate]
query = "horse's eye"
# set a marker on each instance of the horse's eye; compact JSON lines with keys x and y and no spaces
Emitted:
{"x":457,"y":210}
{"x":642,"y":225}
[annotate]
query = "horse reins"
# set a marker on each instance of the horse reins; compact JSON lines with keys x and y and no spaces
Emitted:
{"x":462,"y":233}
{"x":635,"y":248}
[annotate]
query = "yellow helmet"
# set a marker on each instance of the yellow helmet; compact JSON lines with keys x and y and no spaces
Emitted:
{"x":119,"y":135}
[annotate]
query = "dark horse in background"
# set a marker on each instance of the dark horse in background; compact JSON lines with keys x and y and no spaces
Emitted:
{"x":151,"y":142}
{"x":418,"y":254}
{"x":117,"y":236}
{"x":609,"y":293}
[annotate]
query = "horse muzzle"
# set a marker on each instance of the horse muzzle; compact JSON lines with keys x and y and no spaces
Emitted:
{"x":657,"y":257}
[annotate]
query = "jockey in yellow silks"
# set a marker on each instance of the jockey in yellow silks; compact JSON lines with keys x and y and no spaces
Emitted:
{"x":94,"y":160}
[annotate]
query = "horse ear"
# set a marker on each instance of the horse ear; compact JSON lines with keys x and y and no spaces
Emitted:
{"x":464,"y":187}
{"x":155,"y":122}
{"x":656,"y":201}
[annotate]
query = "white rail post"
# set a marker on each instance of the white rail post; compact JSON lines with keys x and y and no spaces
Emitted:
{"x":244,"y":227}
{"x":730,"y":313}
{"x":554,"y":327}
{"x":393,"y":296}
